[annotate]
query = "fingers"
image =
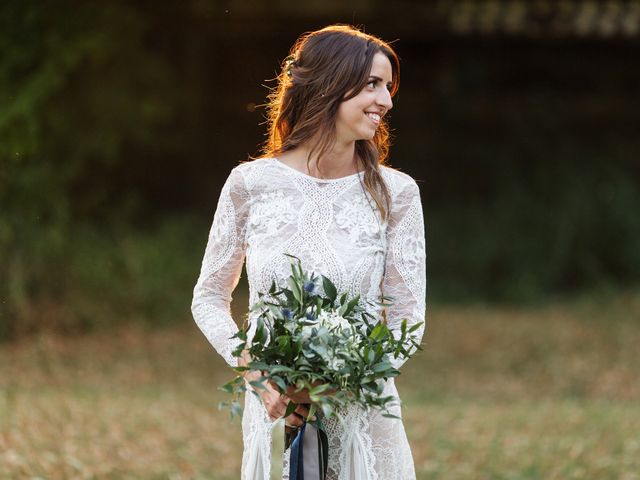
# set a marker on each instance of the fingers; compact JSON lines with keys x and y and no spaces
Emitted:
{"x":294,"y":420}
{"x":274,"y":403}
{"x":276,"y":406}
{"x":289,"y":429}
{"x":302,"y":411}
{"x":298,"y":417}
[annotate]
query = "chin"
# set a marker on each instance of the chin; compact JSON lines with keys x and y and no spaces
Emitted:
{"x":366,"y":135}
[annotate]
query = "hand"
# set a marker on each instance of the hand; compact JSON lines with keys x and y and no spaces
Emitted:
{"x":274,"y":402}
{"x":302,"y":396}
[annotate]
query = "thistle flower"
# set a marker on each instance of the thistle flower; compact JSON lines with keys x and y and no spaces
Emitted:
{"x":309,"y":286}
{"x":310,"y":315}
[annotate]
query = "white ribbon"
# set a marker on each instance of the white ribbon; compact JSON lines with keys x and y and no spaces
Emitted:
{"x":277,"y":449}
{"x":355,"y":457}
{"x":255,"y":467}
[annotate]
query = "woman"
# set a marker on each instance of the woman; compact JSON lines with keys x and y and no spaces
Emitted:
{"x":322,"y":192}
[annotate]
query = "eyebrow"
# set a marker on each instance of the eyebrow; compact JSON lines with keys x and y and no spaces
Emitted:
{"x":379,"y":79}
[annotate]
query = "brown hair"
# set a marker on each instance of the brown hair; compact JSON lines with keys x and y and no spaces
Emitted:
{"x":325,"y":68}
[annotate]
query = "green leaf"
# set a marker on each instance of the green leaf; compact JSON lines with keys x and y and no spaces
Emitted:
{"x":237,"y":352}
{"x":382,"y":367}
{"x":371,"y":386}
{"x":275,"y":311}
{"x":257,"y":384}
{"x":329,"y":289}
{"x":377,"y":332}
{"x":327,"y":409}
{"x":236,"y":409}
{"x":257,"y":365}
{"x":283,"y":342}
{"x":291,"y":256}
{"x":343,"y":298}
{"x":234,"y":386}
{"x":290,"y":297}
{"x":320,"y":389}
{"x":312,"y":412}
{"x":415,"y":327}
{"x":242,"y":335}
{"x":260,"y":336}
{"x":351,"y":304}
{"x":371,"y":356}
{"x":295,"y":288}
{"x":291,"y":407}
{"x":279,"y":382}
{"x":281,"y":369}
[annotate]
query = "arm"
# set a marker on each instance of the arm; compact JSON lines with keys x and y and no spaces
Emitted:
{"x":221,"y":268}
{"x":405,"y":264}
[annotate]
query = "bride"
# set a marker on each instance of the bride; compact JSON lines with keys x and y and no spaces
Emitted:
{"x":322,"y":192}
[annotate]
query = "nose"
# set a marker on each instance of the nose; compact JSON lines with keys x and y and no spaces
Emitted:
{"x":384,"y":99}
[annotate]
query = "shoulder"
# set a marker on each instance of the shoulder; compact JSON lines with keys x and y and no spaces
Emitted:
{"x":252,"y":166}
{"x":248,"y":172}
{"x":399,"y":182}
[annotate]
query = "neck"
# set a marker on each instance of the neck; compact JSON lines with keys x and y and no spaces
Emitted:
{"x":338,"y":162}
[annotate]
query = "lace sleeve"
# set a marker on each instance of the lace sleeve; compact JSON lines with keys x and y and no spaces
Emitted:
{"x":405,"y":264}
{"x":221,"y":268}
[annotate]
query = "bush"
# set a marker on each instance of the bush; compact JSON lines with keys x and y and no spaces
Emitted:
{"x":101,"y":276}
{"x":567,"y":230}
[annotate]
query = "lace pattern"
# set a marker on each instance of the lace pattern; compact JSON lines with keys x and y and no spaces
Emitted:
{"x":266,"y":209}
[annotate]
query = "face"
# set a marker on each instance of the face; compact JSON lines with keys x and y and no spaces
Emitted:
{"x":359,"y":116}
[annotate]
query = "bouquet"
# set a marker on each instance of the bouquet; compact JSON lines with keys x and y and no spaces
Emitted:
{"x":328,"y":345}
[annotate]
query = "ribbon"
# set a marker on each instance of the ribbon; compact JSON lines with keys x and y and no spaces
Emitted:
{"x":255,"y":467}
{"x":356,"y":454}
{"x":309,"y":448}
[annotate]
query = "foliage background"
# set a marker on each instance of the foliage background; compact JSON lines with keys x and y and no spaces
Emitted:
{"x":120,"y":121}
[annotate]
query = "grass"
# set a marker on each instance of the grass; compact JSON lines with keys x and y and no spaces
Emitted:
{"x":499,"y":393}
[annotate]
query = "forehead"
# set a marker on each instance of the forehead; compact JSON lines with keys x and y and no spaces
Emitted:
{"x":381,"y":67}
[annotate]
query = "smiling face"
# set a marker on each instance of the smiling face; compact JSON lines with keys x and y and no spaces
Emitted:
{"x":359,"y":116}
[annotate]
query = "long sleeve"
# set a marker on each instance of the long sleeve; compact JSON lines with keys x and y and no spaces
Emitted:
{"x":405,"y":263}
{"x":221,"y":268}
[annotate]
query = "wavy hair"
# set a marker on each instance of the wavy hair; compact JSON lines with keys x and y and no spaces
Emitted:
{"x":324,"y":68}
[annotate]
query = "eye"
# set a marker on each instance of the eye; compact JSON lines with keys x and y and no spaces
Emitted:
{"x":372,"y":83}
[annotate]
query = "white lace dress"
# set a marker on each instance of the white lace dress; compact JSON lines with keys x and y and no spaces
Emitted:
{"x":267,"y":208}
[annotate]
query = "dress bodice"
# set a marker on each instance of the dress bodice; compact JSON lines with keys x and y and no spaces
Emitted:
{"x":267,"y":209}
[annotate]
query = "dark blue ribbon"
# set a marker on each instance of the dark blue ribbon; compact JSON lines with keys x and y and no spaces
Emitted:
{"x":296,"y":460}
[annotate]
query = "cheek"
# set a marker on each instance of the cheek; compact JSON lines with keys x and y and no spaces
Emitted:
{"x":353,"y":111}
{"x":347,"y":114}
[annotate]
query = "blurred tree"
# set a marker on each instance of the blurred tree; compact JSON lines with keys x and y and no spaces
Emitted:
{"x":68,"y":116}
{"x":118,"y":118}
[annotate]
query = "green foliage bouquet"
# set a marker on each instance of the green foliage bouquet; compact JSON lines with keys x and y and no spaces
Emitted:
{"x":327,"y":345}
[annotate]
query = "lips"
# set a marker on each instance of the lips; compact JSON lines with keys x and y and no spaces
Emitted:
{"x":374,"y":117}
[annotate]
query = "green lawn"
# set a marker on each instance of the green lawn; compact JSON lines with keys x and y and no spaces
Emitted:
{"x":499,"y":393}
